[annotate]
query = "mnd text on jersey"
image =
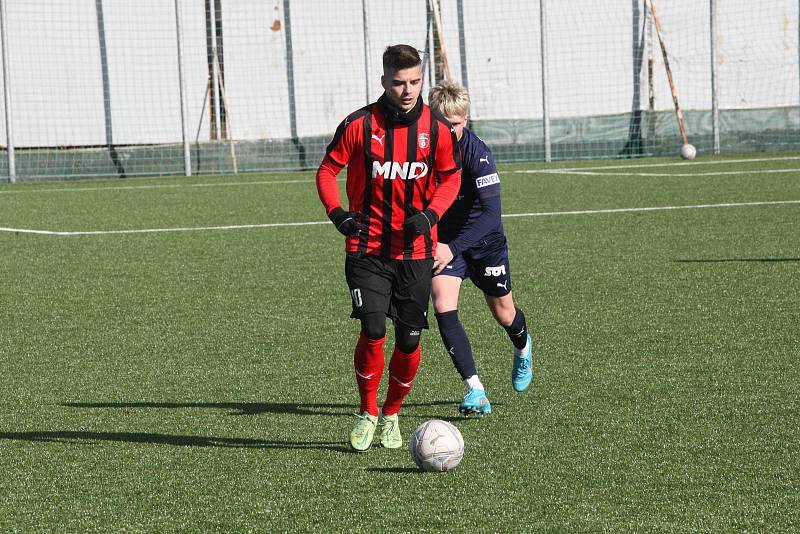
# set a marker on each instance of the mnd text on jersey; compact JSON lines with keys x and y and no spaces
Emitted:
{"x":405,"y":171}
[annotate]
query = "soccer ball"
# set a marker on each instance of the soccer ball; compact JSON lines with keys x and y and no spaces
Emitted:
{"x":688,"y":151}
{"x":436,"y":445}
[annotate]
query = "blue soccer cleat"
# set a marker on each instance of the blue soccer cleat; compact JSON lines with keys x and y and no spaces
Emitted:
{"x":475,"y":402}
{"x":522,"y":374}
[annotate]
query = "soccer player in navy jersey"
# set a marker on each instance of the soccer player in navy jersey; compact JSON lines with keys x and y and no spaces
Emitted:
{"x":403,"y":172}
{"x":472,"y":245}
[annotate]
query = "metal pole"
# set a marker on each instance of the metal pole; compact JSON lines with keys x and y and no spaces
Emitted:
{"x":215,"y":69}
{"x":545,"y":104}
{"x":12,"y":165}
{"x":366,"y":48}
{"x":651,"y":92}
{"x":187,"y":156}
{"x":431,"y":48}
{"x":290,"y":68}
{"x":287,"y":19}
{"x":714,"y":89}
{"x":462,"y":44}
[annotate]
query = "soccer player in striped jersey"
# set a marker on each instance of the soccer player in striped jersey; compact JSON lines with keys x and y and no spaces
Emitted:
{"x":472,"y":245}
{"x":403,"y":172}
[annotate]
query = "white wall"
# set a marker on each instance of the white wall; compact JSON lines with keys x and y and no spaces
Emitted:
{"x":57,"y":90}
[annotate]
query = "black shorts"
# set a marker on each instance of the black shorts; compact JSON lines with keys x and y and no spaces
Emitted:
{"x":486,"y":264}
{"x":400,"y":289}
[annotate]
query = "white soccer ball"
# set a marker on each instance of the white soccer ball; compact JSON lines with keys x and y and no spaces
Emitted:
{"x":436,"y":445}
{"x":688,"y":151}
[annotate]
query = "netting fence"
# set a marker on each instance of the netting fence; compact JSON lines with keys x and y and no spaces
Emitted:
{"x":113,"y":87}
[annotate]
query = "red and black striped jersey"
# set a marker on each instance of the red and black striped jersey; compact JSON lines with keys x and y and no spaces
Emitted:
{"x":392,"y":166}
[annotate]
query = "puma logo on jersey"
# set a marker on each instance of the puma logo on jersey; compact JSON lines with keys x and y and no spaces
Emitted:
{"x":484,"y":159}
{"x":504,"y":285}
{"x":379,"y":139}
{"x":405,"y":171}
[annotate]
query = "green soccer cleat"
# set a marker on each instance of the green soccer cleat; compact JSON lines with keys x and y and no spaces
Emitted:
{"x":362,"y":434}
{"x":389,"y":432}
{"x":522,"y":374}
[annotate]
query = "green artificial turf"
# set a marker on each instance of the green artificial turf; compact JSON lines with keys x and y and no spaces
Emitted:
{"x":201,"y":380}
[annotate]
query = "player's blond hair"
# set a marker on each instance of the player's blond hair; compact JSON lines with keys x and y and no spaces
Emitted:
{"x":449,"y":98}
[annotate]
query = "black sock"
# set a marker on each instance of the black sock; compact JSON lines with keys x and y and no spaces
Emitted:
{"x":456,"y":343}
{"x":518,"y":330}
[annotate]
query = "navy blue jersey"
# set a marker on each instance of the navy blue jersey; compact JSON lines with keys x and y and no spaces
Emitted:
{"x":475,"y":214}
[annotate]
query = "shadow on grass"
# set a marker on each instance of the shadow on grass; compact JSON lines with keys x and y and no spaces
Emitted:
{"x":235,"y":408}
{"x":737,"y":260}
{"x":250,"y":408}
{"x":88,"y":438}
{"x":395,"y":470}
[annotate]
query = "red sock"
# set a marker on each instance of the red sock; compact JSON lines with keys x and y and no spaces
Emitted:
{"x":402,"y":370}
{"x":368,"y":363}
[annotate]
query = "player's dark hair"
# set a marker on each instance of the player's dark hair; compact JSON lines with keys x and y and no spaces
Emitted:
{"x":399,"y":57}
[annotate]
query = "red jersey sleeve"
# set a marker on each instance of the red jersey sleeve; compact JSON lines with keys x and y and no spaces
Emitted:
{"x":336,"y":157}
{"x":327,"y":188}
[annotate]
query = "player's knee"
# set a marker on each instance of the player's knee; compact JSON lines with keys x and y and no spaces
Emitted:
{"x":373,"y":325}
{"x":504,"y":311}
{"x":406,"y":339}
{"x":505,"y":317}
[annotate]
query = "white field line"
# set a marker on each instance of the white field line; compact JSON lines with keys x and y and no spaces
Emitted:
{"x":283,"y":225}
{"x":155,"y":186}
{"x":654,"y":208}
{"x":566,"y":170}
{"x":158,"y":230}
{"x":655,"y":165}
{"x":671,"y":174}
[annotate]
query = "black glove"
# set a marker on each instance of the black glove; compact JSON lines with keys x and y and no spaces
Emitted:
{"x":346,"y":222}
{"x":420,"y":222}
